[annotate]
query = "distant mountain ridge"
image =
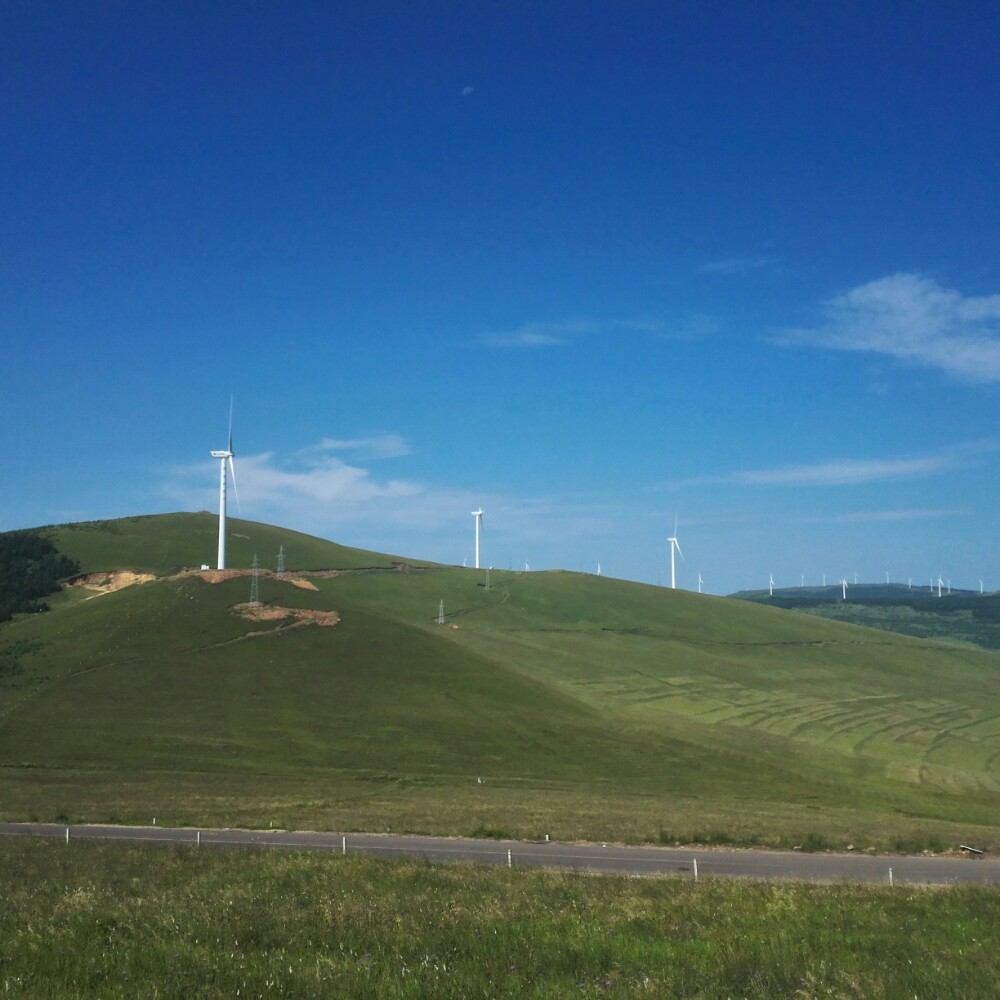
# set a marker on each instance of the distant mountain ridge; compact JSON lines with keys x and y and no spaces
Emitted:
{"x":961,"y":615}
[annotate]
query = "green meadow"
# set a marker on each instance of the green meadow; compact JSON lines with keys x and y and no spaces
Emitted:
{"x":546,"y":703}
{"x":102,"y":920}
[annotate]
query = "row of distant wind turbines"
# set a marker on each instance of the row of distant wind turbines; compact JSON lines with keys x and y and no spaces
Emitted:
{"x":226,"y":467}
{"x":673,"y":541}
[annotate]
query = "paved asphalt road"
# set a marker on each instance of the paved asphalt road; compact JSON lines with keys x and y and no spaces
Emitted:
{"x":611,"y":859}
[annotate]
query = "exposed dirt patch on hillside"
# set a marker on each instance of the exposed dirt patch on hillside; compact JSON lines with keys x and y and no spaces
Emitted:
{"x":298,"y":616}
{"x":107,"y":583}
{"x":218,"y":575}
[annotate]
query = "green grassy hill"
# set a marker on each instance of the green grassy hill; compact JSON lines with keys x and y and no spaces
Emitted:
{"x":558,"y":703}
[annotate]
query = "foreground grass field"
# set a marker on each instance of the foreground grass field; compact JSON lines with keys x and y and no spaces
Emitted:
{"x":89,"y":920}
{"x":547,"y":703}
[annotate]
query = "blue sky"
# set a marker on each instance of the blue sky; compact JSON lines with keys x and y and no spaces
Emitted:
{"x":591,"y":266}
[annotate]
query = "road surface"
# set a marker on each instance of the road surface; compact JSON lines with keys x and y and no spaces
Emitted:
{"x":610,"y":859}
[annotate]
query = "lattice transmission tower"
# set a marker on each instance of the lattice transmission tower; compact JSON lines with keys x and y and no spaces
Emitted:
{"x":255,"y":583}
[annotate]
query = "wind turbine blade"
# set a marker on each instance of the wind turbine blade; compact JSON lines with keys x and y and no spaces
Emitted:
{"x":232,"y":469}
{"x":678,"y":544}
{"x":231,"y":428}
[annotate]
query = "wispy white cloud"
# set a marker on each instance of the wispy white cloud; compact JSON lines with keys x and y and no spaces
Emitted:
{"x":736,"y":265}
{"x":311,"y":484}
{"x":852,"y":471}
{"x":908,"y":514}
{"x":844,"y":471}
{"x":535,"y":335}
{"x":695,"y":327}
{"x":914,"y":320}
{"x":372,"y":447}
{"x":317,"y":491}
{"x":540,"y":335}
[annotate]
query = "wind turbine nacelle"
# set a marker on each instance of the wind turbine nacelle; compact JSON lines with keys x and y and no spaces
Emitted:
{"x":222,"y":454}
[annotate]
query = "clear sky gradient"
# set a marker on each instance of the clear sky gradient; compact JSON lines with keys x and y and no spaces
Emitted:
{"x":591,"y":266}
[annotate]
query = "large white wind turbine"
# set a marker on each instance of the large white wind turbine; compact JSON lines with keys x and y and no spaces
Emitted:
{"x":675,"y":547}
{"x":478,"y":515}
{"x":224,"y":457}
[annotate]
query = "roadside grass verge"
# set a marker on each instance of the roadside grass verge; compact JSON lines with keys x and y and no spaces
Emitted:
{"x":383,"y":802}
{"x":98,"y":920}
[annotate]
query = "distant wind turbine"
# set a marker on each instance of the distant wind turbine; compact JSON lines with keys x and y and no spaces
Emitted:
{"x":699,"y":583}
{"x":844,"y":584}
{"x":770,"y":585}
{"x":478,"y":515}
{"x":675,"y":547}
{"x":224,"y":457}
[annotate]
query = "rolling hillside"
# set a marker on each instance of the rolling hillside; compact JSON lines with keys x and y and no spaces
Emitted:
{"x":550,"y":703}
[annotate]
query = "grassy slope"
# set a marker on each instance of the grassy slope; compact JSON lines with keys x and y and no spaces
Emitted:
{"x":112,"y":920}
{"x":590,"y":706}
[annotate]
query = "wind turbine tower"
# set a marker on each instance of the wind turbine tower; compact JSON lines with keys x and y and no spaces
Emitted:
{"x":675,"y":547}
{"x":478,"y":515}
{"x":224,"y":457}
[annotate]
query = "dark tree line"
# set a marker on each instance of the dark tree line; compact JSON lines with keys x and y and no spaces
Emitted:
{"x":30,"y":569}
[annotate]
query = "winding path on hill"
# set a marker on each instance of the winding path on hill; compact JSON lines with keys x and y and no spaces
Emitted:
{"x":596,"y":858}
